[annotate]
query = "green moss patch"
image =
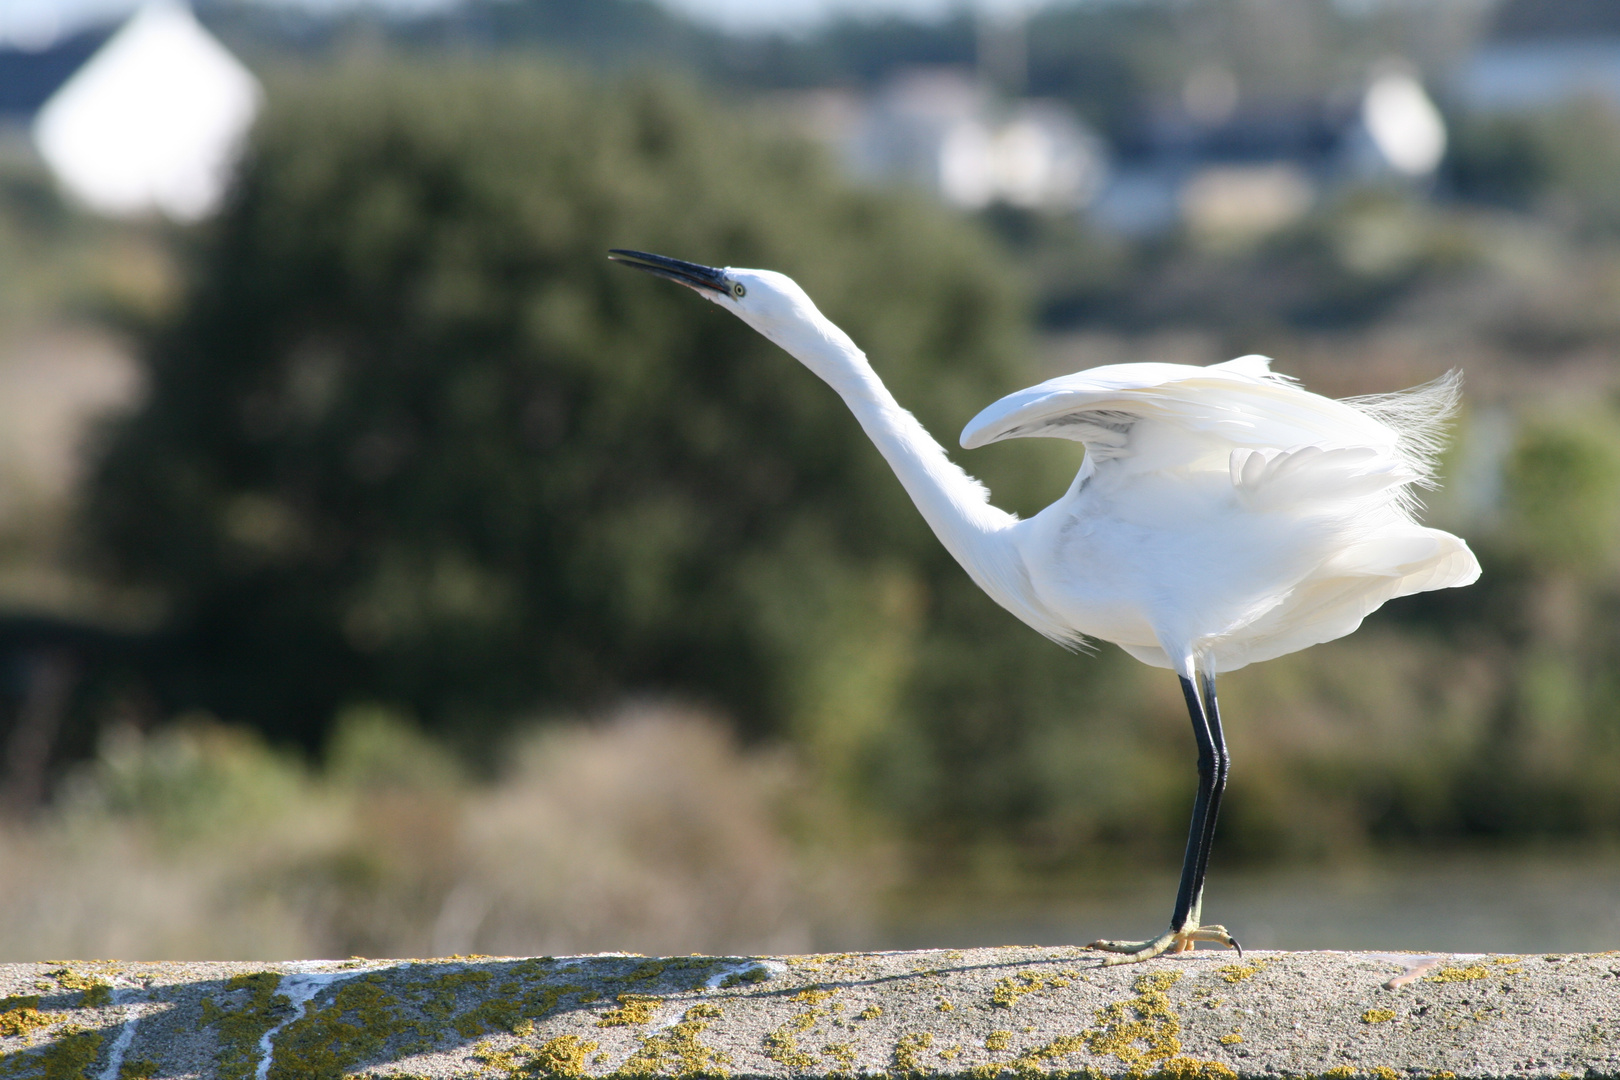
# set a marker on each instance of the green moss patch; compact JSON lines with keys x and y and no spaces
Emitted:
{"x":252,"y":1009}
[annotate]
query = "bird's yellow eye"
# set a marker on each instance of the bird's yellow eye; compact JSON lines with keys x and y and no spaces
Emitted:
{"x":737,"y":290}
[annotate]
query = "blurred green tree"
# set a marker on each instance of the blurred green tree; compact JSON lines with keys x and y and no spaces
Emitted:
{"x":1563,"y":493}
{"x":411,"y":439}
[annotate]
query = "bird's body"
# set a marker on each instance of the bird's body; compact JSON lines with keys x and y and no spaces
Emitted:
{"x":1224,"y":512}
{"x":1222,"y":515}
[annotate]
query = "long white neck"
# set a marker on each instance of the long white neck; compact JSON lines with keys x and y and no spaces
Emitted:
{"x":955,"y":505}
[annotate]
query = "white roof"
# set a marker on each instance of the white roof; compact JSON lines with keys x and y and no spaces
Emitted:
{"x":153,"y":121}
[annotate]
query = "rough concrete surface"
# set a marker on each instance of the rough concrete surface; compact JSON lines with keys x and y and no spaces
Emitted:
{"x":1009,"y":1012}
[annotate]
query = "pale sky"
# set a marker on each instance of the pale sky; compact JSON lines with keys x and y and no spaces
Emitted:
{"x":24,"y":22}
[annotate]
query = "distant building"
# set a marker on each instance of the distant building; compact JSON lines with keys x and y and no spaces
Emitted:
{"x":1399,"y":131}
{"x":1541,"y":52}
{"x":152,"y":121}
{"x":940,"y":128}
{"x":1222,"y":165}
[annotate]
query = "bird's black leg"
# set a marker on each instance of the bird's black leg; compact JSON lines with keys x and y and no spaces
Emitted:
{"x":1213,"y":765}
{"x":1211,"y":782}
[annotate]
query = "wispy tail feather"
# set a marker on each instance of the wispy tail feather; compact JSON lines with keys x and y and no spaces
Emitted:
{"x":1419,"y":418}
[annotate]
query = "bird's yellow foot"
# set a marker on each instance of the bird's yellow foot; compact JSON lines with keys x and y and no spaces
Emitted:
{"x":1174,"y":941}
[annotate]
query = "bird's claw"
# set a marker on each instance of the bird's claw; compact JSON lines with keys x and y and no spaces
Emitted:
{"x":1173,"y":941}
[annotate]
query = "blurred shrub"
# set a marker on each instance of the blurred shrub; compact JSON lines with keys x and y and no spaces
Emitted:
{"x":1563,"y":493}
{"x":1561,"y":160}
{"x":192,"y":779}
{"x":650,"y":830}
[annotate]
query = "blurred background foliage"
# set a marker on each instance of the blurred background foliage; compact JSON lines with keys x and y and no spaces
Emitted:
{"x":443,"y":587}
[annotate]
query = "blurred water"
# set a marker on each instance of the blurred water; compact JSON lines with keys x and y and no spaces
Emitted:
{"x":1565,"y":901}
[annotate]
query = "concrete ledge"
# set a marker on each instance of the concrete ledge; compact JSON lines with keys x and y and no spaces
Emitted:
{"x":982,"y":1013}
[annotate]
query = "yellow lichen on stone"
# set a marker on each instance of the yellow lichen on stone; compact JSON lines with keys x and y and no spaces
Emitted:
{"x":1384,"y":1072}
{"x":1377,"y":1016}
{"x":1232,"y":1039}
{"x":782,"y":1045}
{"x":679,"y":1046}
{"x":998,"y":1041}
{"x":96,"y":993}
{"x":1236,"y":973}
{"x":1471,"y":973}
{"x":944,"y":1006}
{"x":1340,"y":1072}
{"x":1191,"y":1068}
{"x":508,"y":1060}
{"x":1146,"y":1019}
{"x":871,"y":1012}
{"x":1506,"y":965}
{"x":952,"y":1052}
{"x":908,"y":1052}
{"x":561,"y":1058}
{"x":825,"y":960}
{"x":1009,"y":990}
{"x":1029,"y":1063}
{"x":20,"y":1015}
{"x":841,"y":1052}
{"x":782,"y":1048}
{"x":814,"y":995}
{"x":633,"y":1009}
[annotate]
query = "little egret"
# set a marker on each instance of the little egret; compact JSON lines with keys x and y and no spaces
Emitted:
{"x":1222,"y":515}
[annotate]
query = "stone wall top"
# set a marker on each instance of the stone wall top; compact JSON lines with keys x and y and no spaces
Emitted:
{"x":981,"y":1013}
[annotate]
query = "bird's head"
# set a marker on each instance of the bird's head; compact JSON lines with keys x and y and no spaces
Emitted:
{"x":770,"y":302}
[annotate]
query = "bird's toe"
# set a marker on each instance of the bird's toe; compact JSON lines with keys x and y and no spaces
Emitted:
{"x":1175,"y":941}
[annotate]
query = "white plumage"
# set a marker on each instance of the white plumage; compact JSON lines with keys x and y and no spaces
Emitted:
{"x":1225,"y":512}
{"x":1222,"y":515}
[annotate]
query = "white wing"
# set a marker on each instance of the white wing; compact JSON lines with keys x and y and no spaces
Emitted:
{"x":1159,"y":416}
{"x":1099,"y":406}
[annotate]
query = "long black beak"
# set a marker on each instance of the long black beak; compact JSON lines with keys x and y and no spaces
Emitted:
{"x":692,"y":275}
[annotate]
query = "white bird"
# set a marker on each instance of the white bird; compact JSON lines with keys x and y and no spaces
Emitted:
{"x":1222,"y":515}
